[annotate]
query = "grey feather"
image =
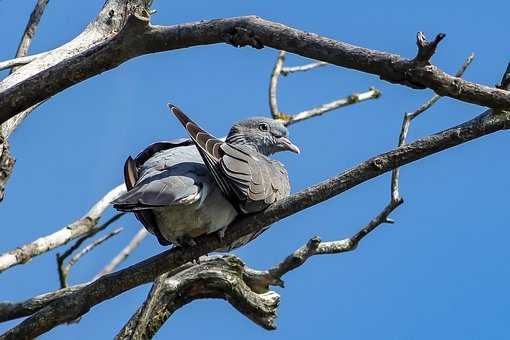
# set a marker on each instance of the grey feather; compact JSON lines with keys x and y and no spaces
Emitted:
{"x":183,"y":189}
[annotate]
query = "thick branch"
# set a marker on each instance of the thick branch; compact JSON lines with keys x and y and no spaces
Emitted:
{"x":214,"y":277}
{"x":108,"y":286}
{"x":165,"y":295}
{"x":14,"y":310}
{"x":129,"y":35}
{"x":81,"y":227}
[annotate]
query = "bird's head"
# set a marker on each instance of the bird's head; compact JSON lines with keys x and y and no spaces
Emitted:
{"x":266,"y":135}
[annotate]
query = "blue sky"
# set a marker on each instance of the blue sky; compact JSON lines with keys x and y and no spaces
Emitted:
{"x":441,"y":271}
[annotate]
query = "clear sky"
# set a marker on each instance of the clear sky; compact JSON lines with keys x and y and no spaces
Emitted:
{"x":441,"y":271}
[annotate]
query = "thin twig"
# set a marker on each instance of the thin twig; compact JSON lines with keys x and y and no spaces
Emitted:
{"x":124,"y":253}
{"x":303,"y":68}
{"x":6,"y":158}
{"x":408,"y":117}
{"x":20,"y":61}
{"x":505,"y":79}
{"x":91,"y":246}
{"x":273,"y":85}
{"x":373,"y":93}
{"x":289,"y":119}
{"x":81,"y":227}
{"x":63,"y":270}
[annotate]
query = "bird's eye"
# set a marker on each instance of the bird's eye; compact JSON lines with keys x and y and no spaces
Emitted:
{"x":263,"y":127}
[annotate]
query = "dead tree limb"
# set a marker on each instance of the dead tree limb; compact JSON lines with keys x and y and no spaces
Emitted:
{"x":7,"y":127}
{"x":81,"y":227}
{"x":122,"y":31}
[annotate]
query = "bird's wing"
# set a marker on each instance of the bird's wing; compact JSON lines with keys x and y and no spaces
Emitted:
{"x":251,"y":180}
{"x":256,"y":178}
{"x":209,"y":148}
{"x":163,"y":182}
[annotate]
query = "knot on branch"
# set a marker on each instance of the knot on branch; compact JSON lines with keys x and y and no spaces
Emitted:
{"x":240,"y":37}
{"x":377,"y":163}
{"x":426,"y":49}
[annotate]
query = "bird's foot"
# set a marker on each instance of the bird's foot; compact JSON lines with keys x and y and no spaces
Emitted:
{"x":186,"y":241}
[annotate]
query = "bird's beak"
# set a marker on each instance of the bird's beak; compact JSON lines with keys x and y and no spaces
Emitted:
{"x":287,"y":145}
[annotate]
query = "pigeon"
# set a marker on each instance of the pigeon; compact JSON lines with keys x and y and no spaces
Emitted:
{"x":182,"y":189}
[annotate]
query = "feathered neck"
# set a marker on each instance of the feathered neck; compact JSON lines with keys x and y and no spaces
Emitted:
{"x":240,"y":139}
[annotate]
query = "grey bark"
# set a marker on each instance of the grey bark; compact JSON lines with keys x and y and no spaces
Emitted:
{"x":122,"y":31}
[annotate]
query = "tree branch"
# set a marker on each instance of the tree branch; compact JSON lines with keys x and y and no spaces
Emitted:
{"x":372,"y":93}
{"x":7,"y":127}
{"x":289,"y":119}
{"x":81,"y":227}
{"x":63,"y":270}
{"x":273,"y":85}
{"x":406,"y":123}
{"x":220,"y":277}
{"x":14,"y":310}
{"x":108,"y":286}
{"x":302,"y":68}
{"x":19,"y":61}
{"x":114,"y":38}
{"x":30,"y":30}
{"x":124,"y":253}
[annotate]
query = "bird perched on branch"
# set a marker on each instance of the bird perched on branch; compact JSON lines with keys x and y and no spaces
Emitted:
{"x":183,"y":189}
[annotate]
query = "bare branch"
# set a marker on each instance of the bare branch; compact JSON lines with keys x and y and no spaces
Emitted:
{"x":15,"y":310}
{"x":124,"y":253}
{"x":81,"y":227}
{"x":316,"y":247}
{"x":30,"y":29}
{"x":6,"y":164}
{"x":273,"y":85}
{"x":372,"y":93}
{"x":63,"y":271}
{"x":104,"y":46}
{"x":8,"y":126}
{"x":408,"y":117}
{"x":303,"y":68}
{"x":19,"y":61}
{"x":426,"y":49}
{"x":289,"y":119}
{"x":108,"y":286}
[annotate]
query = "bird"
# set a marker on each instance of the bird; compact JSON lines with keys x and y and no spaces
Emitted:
{"x":182,"y":189}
